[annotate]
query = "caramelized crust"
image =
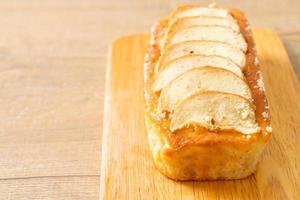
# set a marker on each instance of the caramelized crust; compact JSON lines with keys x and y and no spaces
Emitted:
{"x":188,"y":142}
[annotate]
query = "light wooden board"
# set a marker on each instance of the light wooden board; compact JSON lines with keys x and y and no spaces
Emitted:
{"x":127,"y":168}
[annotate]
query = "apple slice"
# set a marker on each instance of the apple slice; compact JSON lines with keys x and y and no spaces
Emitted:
{"x":178,"y":66}
{"x":216,"y":111}
{"x":201,"y":80}
{"x":202,"y":11}
{"x":211,"y":33}
{"x":186,"y":22}
{"x":206,"y":48}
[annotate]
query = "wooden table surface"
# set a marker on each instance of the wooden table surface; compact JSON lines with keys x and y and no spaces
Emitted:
{"x":53,"y":57}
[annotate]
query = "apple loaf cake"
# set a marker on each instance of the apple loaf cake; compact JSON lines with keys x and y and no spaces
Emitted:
{"x":206,"y":111}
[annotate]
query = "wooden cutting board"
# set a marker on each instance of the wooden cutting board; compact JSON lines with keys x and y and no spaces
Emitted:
{"x":127,"y":170}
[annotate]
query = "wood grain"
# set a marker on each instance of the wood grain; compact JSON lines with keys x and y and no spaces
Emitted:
{"x":127,"y":168}
{"x":50,"y":188}
{"x":45,"y":106}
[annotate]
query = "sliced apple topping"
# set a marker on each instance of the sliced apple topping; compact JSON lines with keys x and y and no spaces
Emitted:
{"x":203,"y":11}
{"x":186,"y":22}
{"x":212,"y":33}
{"x":180,"y":65}
{"x":206,"y":48}
{"x":215,"y":111}
{"x":201,"y":79}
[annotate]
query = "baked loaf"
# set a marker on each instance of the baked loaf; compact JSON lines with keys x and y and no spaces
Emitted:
{"x":206,"y":113}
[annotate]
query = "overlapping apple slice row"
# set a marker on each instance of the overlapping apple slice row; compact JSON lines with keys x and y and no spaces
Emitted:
{"x":216,"y":111}
{"x":177,"y":66}
{"x":199,"y":74}
{"x":204,"y":23}
{"x":195,"y":11}
{"x":201,"y":47}
{"x":211,"y":33}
